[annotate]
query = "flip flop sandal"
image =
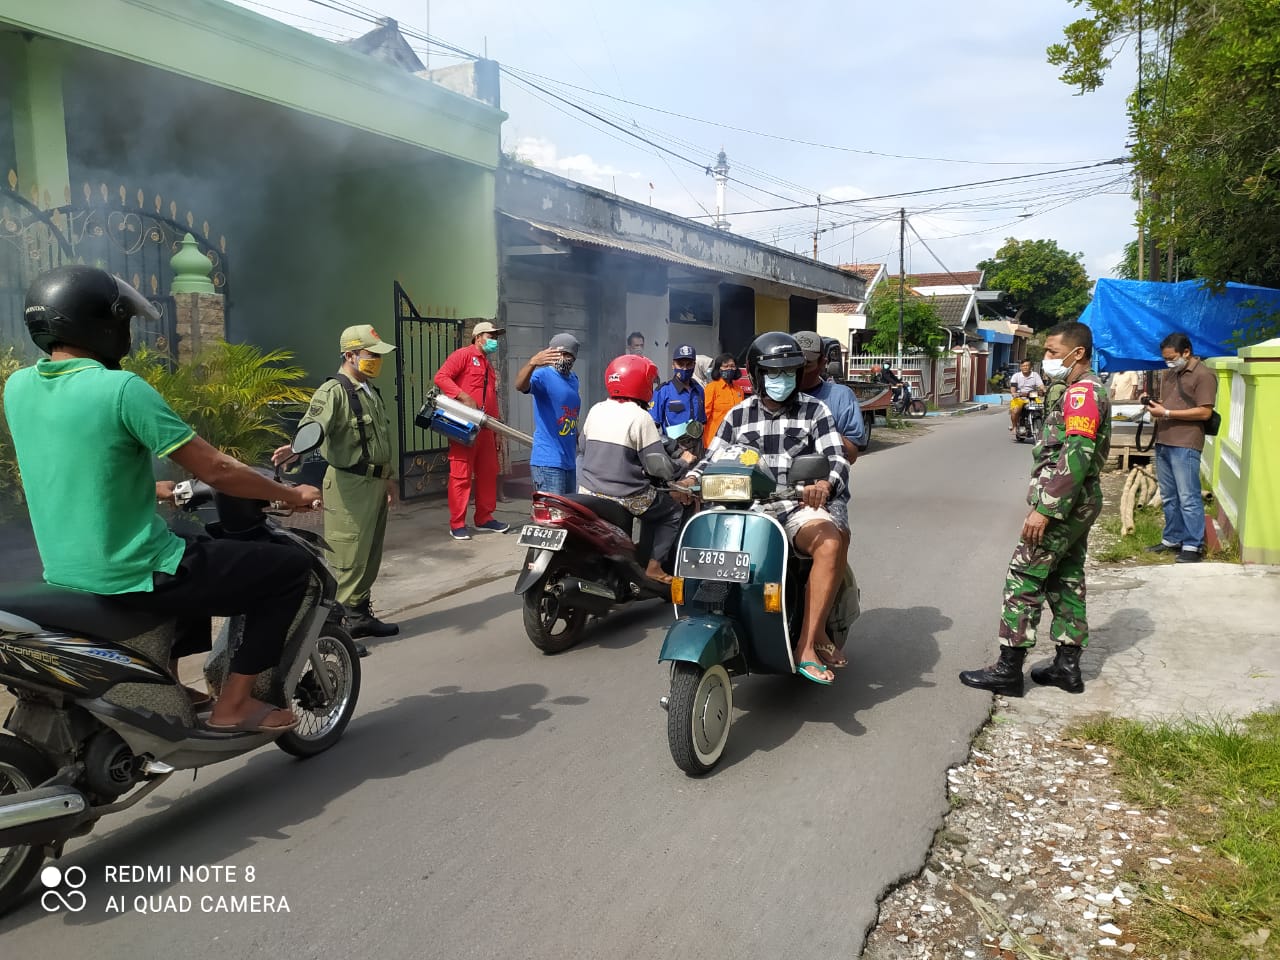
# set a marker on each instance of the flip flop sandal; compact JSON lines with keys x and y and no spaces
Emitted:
{"x":801,"y":668}
{"x":253,"y":723}
{"x":831,"y":654}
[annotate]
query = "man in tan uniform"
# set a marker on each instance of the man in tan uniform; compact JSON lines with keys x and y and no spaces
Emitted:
{"x":358,"y":483}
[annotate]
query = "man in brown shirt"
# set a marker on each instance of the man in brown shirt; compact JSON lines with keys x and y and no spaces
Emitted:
{"x":1187,"y":393}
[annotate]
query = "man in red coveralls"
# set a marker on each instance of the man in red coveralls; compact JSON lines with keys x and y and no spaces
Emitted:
{"x":469,"y":377}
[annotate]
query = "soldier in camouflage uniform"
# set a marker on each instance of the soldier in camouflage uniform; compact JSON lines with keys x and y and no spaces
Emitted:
{"x":358,"y":483}
{"x":1065,"y":498}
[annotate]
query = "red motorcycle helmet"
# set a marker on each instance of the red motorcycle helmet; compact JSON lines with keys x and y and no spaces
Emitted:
{"x":631,"y":377}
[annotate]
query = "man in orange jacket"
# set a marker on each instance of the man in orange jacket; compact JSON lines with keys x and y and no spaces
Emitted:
{"x":468,"y":376}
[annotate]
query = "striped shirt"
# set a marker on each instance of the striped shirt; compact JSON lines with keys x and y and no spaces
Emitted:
{"x":779,"y":437}
{"x":616,"y":436}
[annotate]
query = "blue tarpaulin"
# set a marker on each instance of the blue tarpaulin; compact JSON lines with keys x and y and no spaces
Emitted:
{"x":1129,"y":318}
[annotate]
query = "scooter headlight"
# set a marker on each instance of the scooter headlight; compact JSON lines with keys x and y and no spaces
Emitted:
{"x":727,"y":486}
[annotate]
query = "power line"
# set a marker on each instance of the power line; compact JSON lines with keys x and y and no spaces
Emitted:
{"x":916,"y":193}
{"x":797,"y":140}
{"x":912,"y":227}
{"x":643,"y":139}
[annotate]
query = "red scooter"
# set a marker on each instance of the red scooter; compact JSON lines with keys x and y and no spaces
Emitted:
{"x":582,"y":562}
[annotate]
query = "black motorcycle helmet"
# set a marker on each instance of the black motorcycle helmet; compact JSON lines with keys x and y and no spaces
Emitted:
{"x":87,"y":308}
{"x":773,"y":351}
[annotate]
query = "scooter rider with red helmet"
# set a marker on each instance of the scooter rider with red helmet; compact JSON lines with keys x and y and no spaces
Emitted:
{"x":617,"y":434}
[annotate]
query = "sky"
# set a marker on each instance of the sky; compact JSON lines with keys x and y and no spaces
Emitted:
{"x":807,"y":99}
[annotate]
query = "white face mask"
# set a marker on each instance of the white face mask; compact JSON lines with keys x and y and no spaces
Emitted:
{"x":1177,"y":364}
{"x":1054,"y":368}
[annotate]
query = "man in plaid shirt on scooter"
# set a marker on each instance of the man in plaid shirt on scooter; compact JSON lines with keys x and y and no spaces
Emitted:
{"x":781,"y":423}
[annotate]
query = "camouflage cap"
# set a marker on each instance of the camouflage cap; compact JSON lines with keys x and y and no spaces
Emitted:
{"x":363,"y":337}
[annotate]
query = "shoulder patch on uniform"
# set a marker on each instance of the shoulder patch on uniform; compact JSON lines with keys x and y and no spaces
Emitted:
{"x":1080,"y":411}
{"x":317,"y":406}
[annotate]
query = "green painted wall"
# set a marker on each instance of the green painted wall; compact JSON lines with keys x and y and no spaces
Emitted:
{"x":319,"y":218}
{"x":230,"y":47}
{"x":1243,"y":462}
{"x":38,"y":129}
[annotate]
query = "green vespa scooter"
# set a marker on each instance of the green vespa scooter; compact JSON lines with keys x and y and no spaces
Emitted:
{"x":739,"y":598}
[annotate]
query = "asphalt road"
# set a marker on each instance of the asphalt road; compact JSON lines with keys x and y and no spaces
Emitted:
{"x":492,"y":802}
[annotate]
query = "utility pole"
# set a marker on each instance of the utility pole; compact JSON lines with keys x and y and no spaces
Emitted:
{"x":902,"y":277}
{"x":816,"y":220}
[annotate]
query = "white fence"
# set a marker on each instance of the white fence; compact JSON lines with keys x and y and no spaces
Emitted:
{"x":917,"y":370}
{"x":945,"y":380}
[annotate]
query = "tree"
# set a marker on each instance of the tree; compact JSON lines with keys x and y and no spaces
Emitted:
{"x":1204,"y":112}
{"x":921,"y":329}
{"x":1042,"y":282}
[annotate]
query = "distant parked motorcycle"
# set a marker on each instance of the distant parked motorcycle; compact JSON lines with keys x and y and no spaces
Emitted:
{"x":100,"y":722}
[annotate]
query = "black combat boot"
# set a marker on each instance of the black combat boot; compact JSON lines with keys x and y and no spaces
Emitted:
{"x":1003,"y":677}
{"x":362,"y":623}
{"x":1064,"y":672}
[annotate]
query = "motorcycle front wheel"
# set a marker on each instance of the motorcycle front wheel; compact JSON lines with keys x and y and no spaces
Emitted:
{"x":322,"y":718}
{"x":22,"y":767}
{"x":917,"y":409}
{"x":699,"y":712}
{"x":551,"y":627}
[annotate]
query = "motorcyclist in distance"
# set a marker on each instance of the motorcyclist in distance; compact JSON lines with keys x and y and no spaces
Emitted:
{"x":1023,"y":385}
{"x":85,"y":433}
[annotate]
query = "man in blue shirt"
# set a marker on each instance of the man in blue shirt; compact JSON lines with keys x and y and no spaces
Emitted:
{"x":549,"y":378}
{"x":679,"y":401}
{"x":840,"y":400}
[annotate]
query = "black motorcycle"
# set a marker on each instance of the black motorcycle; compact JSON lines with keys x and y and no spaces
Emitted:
{"x":100,"y":721}
{"x":1030,"y":420}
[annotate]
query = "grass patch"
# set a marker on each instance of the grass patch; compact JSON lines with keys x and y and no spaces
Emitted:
{"x":1220,"y":783}
{"x":1148,"y":524}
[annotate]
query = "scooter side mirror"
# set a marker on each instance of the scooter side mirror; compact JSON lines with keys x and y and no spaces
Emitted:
{"x":309,"y":437}
{"x":808,"y":468}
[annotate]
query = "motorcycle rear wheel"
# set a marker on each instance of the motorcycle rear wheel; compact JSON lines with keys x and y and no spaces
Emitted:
{"x":542,"y":612}
{"x":699,"y":712}
{"x":322,"y":720}
{"x":22,"y":767}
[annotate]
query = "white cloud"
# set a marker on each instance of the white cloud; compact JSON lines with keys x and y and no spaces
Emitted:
{"x":582,"y":167}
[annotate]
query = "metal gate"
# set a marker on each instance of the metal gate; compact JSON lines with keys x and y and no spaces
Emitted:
{"x":422,"y":344}
{"x":125,"y":240}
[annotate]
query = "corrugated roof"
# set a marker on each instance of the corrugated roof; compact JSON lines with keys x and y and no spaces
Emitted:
{"x":867,"y":271}
{"x":603,"y":241}
{"x":953,"y":308}
{"x":972,"y":278}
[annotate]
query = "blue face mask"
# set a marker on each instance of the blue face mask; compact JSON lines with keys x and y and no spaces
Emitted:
{"x":684,"y":375}
{"x":489,"y":346}
{"x":779,"y":386}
